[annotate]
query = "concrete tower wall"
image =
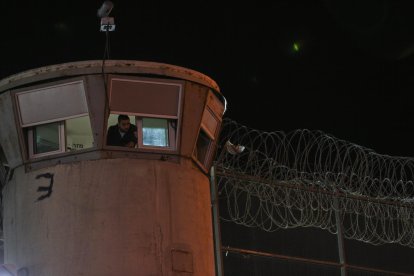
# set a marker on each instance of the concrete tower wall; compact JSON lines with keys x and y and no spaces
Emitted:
{"x":109,"y":210}
{"x":111,"y":217}
{"x":8,"y":133}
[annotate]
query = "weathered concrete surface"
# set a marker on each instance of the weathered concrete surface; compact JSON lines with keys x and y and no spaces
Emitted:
{"x":110,"y":217}
{"x":111,"y":67}
{"x":8,"y":134}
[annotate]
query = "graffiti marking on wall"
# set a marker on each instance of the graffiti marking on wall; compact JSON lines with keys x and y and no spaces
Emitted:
{"x":47,"y":189}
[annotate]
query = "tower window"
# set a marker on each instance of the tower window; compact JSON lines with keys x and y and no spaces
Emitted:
{"x":210,"y":123}
{"x":55,"y":118}
{"x":202,"y":146}
{"x":46,"y":138}
{"x":153,"y":108}
{"x":58,"y":137}
{"x":155,"y":132}
{"x":144,"y":132}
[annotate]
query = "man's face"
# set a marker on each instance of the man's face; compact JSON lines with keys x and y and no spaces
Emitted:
{"x":124,"y":125}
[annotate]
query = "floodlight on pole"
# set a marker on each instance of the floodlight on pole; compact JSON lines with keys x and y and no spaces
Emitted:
{"x":107,"y":23}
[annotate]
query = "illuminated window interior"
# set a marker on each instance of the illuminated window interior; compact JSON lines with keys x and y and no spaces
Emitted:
{"x":46,"y":138}
{"x":153,"y":106}
{"x":78,"y":133}
{"x":155,"y":132}
{"x":58,"y":137}
{"x":150,"y":132}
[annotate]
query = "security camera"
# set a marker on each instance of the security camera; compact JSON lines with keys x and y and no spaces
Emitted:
{"x":105,"y":9}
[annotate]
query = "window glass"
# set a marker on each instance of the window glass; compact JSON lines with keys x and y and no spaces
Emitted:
{"x":46,"y":138}
{"x":202,"y":147}
{"x":78,"y":134}
{"x":209,"y":122}
{"x":155,"y":132}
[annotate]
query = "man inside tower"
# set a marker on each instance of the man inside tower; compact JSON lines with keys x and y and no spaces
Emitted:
{"x":123,"y":134}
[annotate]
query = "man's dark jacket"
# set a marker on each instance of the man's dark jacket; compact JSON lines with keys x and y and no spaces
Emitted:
{"x":114,"y":138}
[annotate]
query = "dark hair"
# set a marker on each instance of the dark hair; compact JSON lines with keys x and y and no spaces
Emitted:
{"x":122,"y":117}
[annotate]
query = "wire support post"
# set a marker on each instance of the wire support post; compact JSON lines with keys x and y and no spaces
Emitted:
{"x":340,"y":235}
{"x":216,"y":223}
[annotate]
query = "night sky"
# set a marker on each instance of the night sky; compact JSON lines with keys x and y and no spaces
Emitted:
{"x":344,"y":67}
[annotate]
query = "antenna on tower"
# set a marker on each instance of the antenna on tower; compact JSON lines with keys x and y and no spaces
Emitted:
{"x":107,"y":23}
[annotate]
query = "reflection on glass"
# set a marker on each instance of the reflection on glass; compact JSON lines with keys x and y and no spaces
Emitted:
{"x":210,"y":122}
{"x":155,"y":132}
{"x":78,"y":133}
{"x":46,"y":138}
{"x":203,"y":144}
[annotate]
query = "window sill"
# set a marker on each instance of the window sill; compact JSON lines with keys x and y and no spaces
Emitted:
{"x":147,"y":149}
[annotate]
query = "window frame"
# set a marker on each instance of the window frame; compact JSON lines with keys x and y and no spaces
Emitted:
{"x":204,"y":164}
{"x":35,"y":89}
{"x":205,"y":127}
{"x":133,"y":79}
{"x":62,"y":140}
{"x":173,"y":133}
{"x":211,"y":107}
{"x":24,"y":129}
{"x":63,"y":145}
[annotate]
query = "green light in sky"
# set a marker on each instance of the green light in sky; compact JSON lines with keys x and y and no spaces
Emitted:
{"x":296,"y":47}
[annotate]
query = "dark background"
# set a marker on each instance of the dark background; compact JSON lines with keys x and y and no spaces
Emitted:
{"x":351,"y":77}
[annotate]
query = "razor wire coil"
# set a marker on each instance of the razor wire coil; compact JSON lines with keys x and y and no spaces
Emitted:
{"x":311,"y":179}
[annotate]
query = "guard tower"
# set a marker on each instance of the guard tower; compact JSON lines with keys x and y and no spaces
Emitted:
{"x":74,"y":205}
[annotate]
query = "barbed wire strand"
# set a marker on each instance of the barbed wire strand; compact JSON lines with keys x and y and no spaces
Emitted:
{"x":305,"y":178}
